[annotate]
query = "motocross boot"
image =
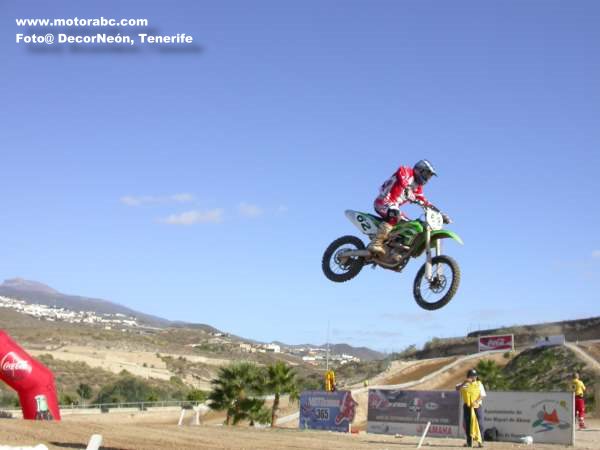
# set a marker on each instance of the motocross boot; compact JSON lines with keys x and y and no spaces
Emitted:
{"x":376,"y":247}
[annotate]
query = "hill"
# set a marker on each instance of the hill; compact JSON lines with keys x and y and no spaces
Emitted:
{"x":39,"y":293}
{"x":524,"y":335}
{"x":574,"y":330}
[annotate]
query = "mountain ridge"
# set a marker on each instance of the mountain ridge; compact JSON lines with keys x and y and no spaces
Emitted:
{"x":40,"y":293}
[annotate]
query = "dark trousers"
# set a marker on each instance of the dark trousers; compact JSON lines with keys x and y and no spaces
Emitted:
{"x":467,"y":423}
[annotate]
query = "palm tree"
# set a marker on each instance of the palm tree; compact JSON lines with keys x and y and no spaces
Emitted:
{"x":491,"y":375}
{"x":233,"y":392}
{"x":280,"y":379}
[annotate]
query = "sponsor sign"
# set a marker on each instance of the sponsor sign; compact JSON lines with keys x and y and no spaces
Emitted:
{"x":545,"y":416}
{"x":548,"y":341}
{"x":407,"y":412}
{"x":499,"y":342}
{"x":333,"y":411}
{"x":14,"y":367}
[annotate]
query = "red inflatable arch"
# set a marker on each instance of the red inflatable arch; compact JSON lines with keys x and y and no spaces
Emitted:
{"x":32,"y":380}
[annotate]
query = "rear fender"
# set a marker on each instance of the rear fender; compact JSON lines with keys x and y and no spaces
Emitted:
{"x":363,"y":221}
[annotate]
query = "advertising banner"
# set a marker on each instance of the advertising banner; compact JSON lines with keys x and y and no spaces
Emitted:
{"x":407,"y":412}
{"x":548,"y":341}
{"x":545,"y":416}
{"x":332,"y":411}
{"x":504,"y":342}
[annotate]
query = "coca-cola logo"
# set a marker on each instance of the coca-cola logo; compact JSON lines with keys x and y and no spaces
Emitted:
{"x":495,"y":343}
{"x":14,"y":367}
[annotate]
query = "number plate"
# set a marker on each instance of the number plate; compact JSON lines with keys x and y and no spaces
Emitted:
{"x":363,"y":222}
{"x":434,"y":219}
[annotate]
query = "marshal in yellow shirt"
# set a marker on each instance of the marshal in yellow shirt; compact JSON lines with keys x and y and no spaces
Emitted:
{"x":578,"y":387}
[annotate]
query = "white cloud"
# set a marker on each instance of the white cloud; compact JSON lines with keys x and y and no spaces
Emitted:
{"x":249,"y":210}
{"x":194,"y":217}
{"x":132,"y":200}
{"x":596,"y":254}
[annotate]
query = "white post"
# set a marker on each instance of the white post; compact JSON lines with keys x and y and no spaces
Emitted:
{"x":95,"y":442}
{"x":424,"y":434}
{"x":196,"y":418}
{"x":181,"y":417}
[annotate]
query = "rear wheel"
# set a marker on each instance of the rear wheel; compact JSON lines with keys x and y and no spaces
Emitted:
{"x":338,"y":268}
{"x":436,"y":293}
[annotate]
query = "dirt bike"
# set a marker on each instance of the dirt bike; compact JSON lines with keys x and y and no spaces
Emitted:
{"x":438,"y":277}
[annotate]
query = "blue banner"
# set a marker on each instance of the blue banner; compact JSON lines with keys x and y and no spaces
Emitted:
{"x":332,"y":411}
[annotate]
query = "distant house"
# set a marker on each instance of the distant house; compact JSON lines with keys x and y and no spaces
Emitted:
{"x":273,"y":348}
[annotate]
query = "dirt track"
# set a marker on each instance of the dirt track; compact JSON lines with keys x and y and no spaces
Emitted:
{"x":160,"y":432}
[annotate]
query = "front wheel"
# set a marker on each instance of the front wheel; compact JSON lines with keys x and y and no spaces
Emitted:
{"x":436,"y":293}
{"x":335,"y":266}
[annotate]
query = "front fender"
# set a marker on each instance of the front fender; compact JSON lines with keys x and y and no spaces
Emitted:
{"x":444,"y":234}
{"x":419,"y":246}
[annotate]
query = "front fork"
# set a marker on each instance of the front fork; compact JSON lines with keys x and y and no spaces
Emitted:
{"x":438,"y":252}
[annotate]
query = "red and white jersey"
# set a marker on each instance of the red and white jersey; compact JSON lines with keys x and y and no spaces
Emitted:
{"x":401,"y":188}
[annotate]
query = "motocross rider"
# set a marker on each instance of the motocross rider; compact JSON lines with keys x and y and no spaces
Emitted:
{"x":405,"y":185}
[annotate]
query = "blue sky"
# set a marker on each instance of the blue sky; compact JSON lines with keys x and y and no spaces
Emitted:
{"x":205,"y":185}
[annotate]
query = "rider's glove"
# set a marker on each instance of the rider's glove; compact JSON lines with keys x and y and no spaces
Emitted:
{"x":446,"y":218}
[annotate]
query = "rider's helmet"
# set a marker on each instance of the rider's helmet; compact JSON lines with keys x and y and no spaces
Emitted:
{"x":472,"y":373}
{"x":423,"y":171}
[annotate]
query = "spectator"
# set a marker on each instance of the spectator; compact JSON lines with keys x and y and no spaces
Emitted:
{"x":578,"y":388}
{"x":470,"y":393}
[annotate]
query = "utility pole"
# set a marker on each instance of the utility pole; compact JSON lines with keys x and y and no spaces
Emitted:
{"x":327,"y":357}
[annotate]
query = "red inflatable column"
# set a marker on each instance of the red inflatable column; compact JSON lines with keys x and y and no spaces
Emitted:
{"x":32,"y":380}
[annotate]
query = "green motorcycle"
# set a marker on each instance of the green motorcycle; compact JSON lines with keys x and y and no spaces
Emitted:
{"x":436,"y":281}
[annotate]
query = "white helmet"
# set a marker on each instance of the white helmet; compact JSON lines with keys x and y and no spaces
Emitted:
{"x":423,"y":171}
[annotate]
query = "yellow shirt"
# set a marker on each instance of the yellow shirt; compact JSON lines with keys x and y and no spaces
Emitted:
{"x":578,"y":387}
{"x":471,"y":394}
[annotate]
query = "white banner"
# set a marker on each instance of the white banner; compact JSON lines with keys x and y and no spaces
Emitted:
{"x":545,"y":416}
{"x":548,"y":341}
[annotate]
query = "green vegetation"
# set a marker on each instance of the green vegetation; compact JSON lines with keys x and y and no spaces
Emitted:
{"x":310,"y":382}
{"x":239,"y":387}
{"x":356,"y":372}
{"x":84,"y":391}
{"x":538,"y":369}
{"x":236,"y":391}
{"x":78,"y":383}
{"x":128,"y":388}
{"x":280,"y":380}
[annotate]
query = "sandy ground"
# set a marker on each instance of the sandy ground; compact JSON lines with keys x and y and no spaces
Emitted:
{"x":143,"y":364}
{"x":157,"y":429}
{"x":112,"y":360}
{"x":592,"y":348}
{"x":149,"y":431}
